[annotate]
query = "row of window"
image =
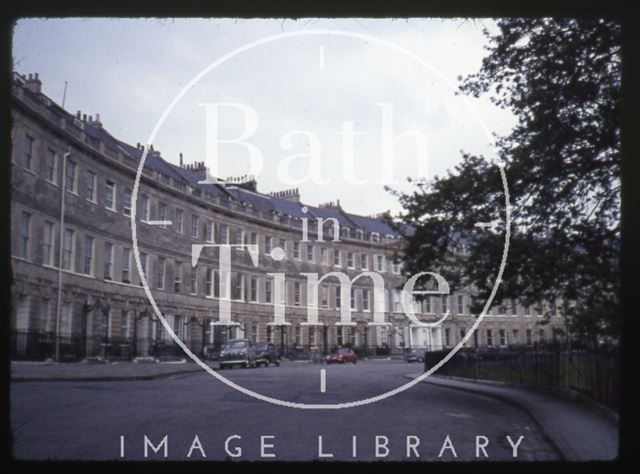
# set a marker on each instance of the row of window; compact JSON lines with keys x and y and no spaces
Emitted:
{"x":229,"y":286}
{"x":206,"y":230}
{"x":122,"y":329}
{"x":296,"y":250}
{"x":501,"y":337}
{"x":25,"y":236}
{"x":110,"y":190}
{"x":118,"y":323}
{"x":456,"y":304}
{"x":90,"y":191}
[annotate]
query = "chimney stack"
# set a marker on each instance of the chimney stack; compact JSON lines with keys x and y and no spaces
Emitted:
{"x":292,"y":195}
{"x":197,"y":167}
{"x":33,"y":83}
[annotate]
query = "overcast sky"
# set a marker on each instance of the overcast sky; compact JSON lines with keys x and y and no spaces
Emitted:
{"x":130,"y":70}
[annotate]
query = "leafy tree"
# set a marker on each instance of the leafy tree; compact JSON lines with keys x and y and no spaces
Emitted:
{"x":562,"y":80}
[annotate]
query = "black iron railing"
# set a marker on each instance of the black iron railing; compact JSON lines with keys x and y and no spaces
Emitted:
{"x":595,"y":373}
{"x":37,"y":345}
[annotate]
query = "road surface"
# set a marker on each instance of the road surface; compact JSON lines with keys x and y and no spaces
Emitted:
{"x":200,"y":416}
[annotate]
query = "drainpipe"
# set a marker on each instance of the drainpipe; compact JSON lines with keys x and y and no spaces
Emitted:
{"x":63,"y":191}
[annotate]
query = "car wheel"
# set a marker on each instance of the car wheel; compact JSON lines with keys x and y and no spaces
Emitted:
{"x":354,"y":361}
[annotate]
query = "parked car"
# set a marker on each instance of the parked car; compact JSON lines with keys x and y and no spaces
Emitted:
{"x":266,"y":354}
{"x":415,"y":354}
{"x":211,"y":353}
{"x":342,"y":355}
{"x":238,"y":352}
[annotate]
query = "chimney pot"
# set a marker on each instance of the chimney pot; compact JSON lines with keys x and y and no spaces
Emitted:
{"x":34,"y":84}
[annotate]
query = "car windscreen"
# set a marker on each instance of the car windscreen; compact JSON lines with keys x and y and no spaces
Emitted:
{"x":235,"y":345}
{"x":262,"y":347}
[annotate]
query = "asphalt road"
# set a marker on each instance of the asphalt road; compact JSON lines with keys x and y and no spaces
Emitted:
{"x":85,"y":420}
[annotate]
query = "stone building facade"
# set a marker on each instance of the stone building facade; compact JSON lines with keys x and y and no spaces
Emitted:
{"x":68,"y":168}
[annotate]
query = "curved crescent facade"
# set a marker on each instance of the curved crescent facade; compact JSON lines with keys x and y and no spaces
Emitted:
{"x":103,"y":310}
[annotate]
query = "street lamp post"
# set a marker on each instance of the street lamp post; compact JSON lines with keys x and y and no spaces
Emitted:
{"x":63,"y":191}
{"x":283,"y":346}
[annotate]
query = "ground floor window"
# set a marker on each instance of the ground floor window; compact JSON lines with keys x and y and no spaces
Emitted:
{"x":254,"y":331}
{"x":312,"y":336}
{"x":178,"y":326}
{"x":106,"y":324}
{"x":124,"y":324}
{"x":158,"y":330}
{"x":208,"y":331}
{"x":47,"y":322}
{"x":22,"y":313}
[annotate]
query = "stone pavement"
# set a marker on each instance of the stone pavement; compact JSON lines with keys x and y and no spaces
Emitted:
{"x":94,"y":371}
{"x":581,"y":429}
{"x":72,"y":371}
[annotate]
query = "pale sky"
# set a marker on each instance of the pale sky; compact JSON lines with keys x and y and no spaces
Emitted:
{"x":130,"y":70}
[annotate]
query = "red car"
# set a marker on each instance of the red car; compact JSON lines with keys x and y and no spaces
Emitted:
{"x":342,"y":355}
{"x":266,"y":354}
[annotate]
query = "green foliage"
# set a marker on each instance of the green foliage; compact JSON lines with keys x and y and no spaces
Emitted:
{"x":562,"y":80}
